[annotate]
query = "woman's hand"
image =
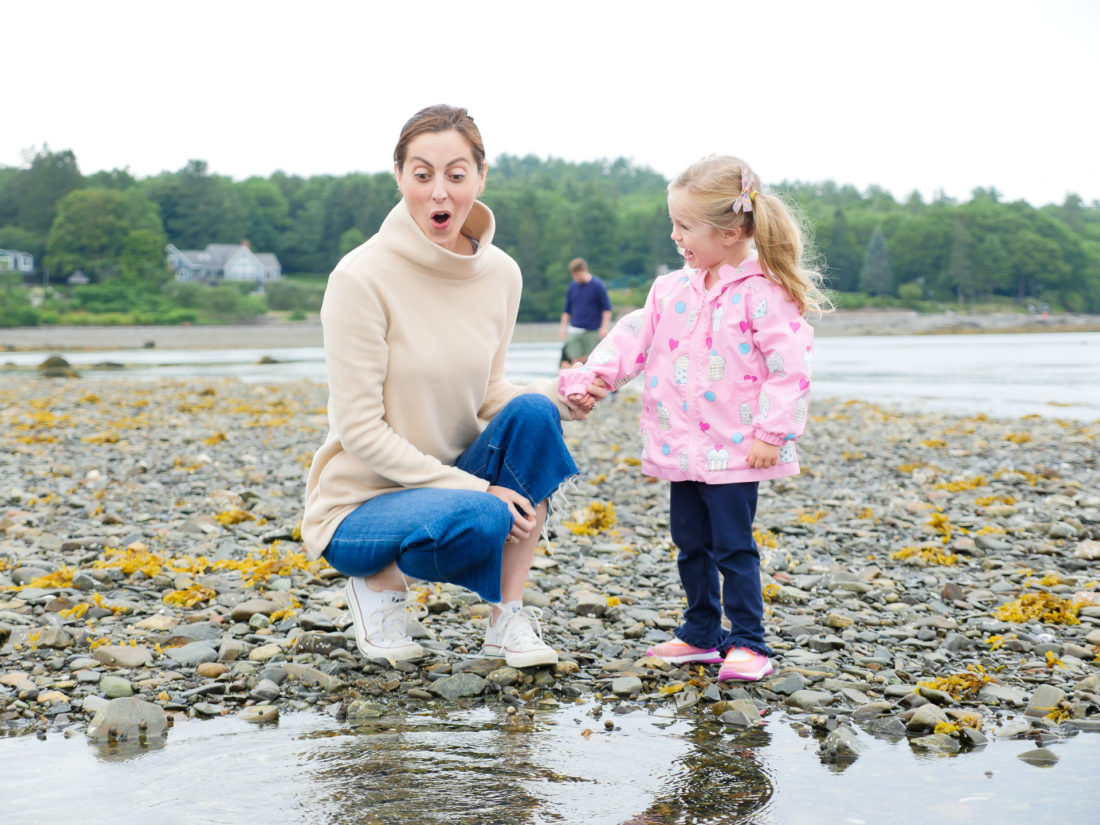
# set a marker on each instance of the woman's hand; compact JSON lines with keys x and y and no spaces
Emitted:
{"x":523,"y":512}
{"x":762,"y":455}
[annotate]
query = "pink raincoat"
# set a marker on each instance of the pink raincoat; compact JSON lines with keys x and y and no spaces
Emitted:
{"x":722,"y":367}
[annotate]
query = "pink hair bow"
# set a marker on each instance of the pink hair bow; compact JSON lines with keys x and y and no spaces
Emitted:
{"x":750,"y":185}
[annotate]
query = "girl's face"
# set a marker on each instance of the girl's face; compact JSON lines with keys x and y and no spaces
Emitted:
{"x":703,"y":246}
{"x":440,"y":182}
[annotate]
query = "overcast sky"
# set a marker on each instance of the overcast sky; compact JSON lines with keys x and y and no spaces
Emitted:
{"x":910,"y":96}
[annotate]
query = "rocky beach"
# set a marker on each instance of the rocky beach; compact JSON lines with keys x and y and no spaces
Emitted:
{"x":928,"y":577}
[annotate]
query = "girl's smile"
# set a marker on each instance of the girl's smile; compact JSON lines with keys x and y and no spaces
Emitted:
{"x":703,"y":246}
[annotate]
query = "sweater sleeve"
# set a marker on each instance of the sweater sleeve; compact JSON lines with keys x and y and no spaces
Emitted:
{"x":785,"y":341}
{"x":354,"y":322}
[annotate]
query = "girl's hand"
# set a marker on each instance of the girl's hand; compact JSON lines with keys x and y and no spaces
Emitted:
{"x":598,"y":389}
{"x":581,"y":401}
{"x":578,"y":409}
{"x":762,"y":455}
{"x":523,"y":512}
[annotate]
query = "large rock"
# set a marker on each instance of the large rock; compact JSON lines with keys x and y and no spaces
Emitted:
{"x":192,"y":654}
{"x":809,"y":699}
{"x":458,"y":686}
{"x":841,"y":745}
{"x":248,"y":608}
{"x":128,"y":718}
{"x":1045,"y":699}
{"x":926,"y":717}
{"x":125,"y":656}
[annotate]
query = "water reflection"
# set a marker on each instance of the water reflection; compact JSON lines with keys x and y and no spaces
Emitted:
{"x":489,"y":766}
{"x":558,"y":765}
{"x":720,"y":780}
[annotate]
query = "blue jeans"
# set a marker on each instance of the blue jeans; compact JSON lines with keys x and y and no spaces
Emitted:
{"x":711,"y":524}
{"x":458,"y":536}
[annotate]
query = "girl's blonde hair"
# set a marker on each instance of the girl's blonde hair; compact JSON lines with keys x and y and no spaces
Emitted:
{"x":714,"y":184}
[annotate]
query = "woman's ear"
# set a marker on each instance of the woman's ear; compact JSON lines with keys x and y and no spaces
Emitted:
{"x":482,"y":174}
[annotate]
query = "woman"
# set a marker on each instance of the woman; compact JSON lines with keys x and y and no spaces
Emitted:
{"x":416,"y":325}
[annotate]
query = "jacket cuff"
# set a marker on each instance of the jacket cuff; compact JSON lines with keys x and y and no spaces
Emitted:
{"x":776,"y":440}
{"x":572,"y":382}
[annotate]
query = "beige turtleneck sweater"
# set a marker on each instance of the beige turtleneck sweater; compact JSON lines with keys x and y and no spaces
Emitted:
{"x":415,"y":340}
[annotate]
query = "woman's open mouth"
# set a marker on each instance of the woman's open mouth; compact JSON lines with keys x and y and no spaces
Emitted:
{"x":440,"y":219}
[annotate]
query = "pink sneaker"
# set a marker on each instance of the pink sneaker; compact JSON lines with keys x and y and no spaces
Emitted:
{"x":677,"y":652}
{"x":744,"y":665}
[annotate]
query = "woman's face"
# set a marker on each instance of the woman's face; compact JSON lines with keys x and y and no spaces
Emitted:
{"x":440,"y":182}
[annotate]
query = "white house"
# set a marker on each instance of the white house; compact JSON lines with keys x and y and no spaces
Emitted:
{"x":14,"y":260}
{"x":230,"y":262}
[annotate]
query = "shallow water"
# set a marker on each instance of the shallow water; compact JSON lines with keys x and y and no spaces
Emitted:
{"x":1049,"y":374}
{"x":563,"y":766}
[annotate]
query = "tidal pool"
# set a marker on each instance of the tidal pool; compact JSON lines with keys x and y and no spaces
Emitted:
{"x":589,"y":763}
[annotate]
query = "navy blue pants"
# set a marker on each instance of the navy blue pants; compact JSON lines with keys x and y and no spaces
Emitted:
{"x":711,"y":525}
{"x":458,"y":536}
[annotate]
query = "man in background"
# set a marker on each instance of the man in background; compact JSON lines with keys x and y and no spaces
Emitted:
{"x":587,"y":314}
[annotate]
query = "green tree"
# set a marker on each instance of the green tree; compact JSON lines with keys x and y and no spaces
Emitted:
{"x":992,"y":267}
{"x":840,"y":256}
{"x":105,"y":232}
{"x":37,"y":191}
{"x":266,"y":213}
{"x":197,"y":208}
{"x":876,"y":277}
{"x":15,"y":237}
{"x":960,"y":267}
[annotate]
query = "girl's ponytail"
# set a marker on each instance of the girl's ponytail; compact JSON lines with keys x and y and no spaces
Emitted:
{"x":782,"y":247}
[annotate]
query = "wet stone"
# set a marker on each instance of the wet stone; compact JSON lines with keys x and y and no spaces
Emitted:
{"x":1039,"y":756}
{"x":259,"y":713}
{"x":841,"y":744}
{"x":809,"y":699}
{"x":938,"y":742}
{"x":459,"y":686}
{"x":128,"y":718}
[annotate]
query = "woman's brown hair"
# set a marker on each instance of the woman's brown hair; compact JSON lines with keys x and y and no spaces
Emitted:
{"x":440,"y":118}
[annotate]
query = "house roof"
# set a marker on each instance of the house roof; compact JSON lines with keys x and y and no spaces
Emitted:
{"x":216,"y":255}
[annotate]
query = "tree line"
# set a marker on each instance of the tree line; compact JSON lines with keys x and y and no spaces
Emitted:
{"x":873,"y":248}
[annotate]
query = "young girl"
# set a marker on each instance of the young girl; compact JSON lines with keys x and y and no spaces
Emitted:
{"x":726,"y":354}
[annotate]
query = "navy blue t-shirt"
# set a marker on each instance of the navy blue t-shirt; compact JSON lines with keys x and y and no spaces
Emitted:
{"x":586,"y":303}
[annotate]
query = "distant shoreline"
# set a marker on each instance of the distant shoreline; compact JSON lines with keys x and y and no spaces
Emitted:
{"x":294,"y":334}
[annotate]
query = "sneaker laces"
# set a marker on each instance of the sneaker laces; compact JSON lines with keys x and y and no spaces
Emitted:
{"x":523,"y":629}
{"x":392,"y":619}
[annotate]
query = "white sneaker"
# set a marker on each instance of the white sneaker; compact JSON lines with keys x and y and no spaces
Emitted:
{"x":516,"y":636}
{"x":379,"y":621}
